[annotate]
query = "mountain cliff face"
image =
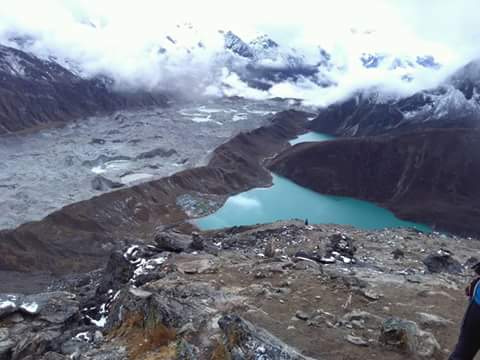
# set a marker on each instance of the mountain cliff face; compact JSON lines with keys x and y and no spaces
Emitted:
{"x":430,"y":176}
{"x":454,"y":104}
{"x":36,"y":92}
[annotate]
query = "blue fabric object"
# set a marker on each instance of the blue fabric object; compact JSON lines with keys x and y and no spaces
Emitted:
{"x":476,"y":293}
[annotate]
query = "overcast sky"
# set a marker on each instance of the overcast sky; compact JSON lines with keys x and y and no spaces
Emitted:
{"x":126,"y":31}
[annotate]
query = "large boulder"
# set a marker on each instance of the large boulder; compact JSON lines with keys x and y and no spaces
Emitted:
{"x":6,"y":344}
{"x":406,"y":337}
{"x":53,"y":307}
{"x":341,"y":247}
{"x":41,"y":324}
{"x":242,"y":340}
{"x":442,"y":261}
{"x":172,"y":241}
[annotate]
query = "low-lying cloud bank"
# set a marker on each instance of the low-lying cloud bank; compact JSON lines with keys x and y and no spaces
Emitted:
{"x":147,"y":44}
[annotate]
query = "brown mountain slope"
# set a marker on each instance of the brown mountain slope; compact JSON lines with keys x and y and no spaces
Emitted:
{"x":431,"y":176}
{"x":36,"y":92}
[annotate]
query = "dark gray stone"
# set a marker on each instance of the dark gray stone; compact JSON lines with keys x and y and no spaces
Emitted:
{"x":442,"y":262}
{"x":101,"y":183}
{"x":244,"y":341}
{"x":173,"y":242}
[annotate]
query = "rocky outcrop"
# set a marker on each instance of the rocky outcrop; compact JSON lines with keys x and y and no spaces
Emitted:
{"x":81,"y":236}
{"x":243,"y":341}
{"x":442,"y":261}
{"x":36,"y":92}
{"x":148,"y":303}
{"x":427,"y":177}
{"x":405,"y":336}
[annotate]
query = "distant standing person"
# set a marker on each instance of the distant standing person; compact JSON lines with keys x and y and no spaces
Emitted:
{"x":469,"y":341}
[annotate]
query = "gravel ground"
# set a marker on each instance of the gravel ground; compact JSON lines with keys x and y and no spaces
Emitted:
{"x":46,"y":170}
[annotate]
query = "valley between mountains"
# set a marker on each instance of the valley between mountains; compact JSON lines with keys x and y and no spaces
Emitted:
{"x":102,"y":257}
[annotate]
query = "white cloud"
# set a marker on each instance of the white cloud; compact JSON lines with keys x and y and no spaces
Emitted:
{"x":123,"y":39}
{"x":245,"y":202}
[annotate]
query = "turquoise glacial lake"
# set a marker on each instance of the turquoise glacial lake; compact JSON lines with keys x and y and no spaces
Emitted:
{"x":286,"y":200}
{"x":311,"y":136}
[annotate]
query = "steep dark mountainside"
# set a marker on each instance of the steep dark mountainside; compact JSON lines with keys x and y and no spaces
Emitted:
{"x":80,"y":236}
{"x":35,"y":92}
{"x":455,"y":104}
{"x":430,"y":176}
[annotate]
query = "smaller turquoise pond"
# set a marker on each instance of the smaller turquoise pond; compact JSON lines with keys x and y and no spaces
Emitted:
{"x":286,"y":200}
{"x":311,"y":136}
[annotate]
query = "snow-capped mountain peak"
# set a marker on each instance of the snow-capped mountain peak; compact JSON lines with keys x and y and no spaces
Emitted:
{"x":392,"y":62}
{"x":237,"y":45}
{"x":263,"y":42}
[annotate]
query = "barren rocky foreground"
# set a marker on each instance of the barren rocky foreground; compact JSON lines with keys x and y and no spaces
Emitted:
{"x":125,"y":276}
{"x":276,"y":291}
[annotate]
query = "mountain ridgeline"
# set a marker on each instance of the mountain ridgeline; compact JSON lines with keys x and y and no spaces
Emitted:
{"x":454,"y":104}
{"x":40,"y":90}
{"x":36,"y":92}
{"x":418,"y":156}
{"x":429,"y":176}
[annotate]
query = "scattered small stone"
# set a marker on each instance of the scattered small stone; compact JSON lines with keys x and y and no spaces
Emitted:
{"x":98,"y":336}
{"x":302,"y":315}
{"x":398,"y":254}
{"x":197,"y":242}
{"x":471,"y":262}
{"x":369,"y":294}
{"x":431,"y":320}
{"x":101,"y":183}
{"x":97,"y":141}
{"x":269,"y":249}
{"x":142,"y":294}
{"x":414,"y":279}
{"x":356,"y":340}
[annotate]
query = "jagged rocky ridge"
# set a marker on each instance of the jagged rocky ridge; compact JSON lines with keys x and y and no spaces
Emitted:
{"x":261,"y":63}
{"x":36,"y":92}
{"x":377,"y":60}
{"x":454,"y":104}
{"x":428,"y":176}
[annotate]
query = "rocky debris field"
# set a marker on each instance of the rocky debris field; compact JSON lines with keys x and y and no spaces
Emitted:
{"x":81,"y":236}
{"x":100,"y":154}
{"x":276,"y":291}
